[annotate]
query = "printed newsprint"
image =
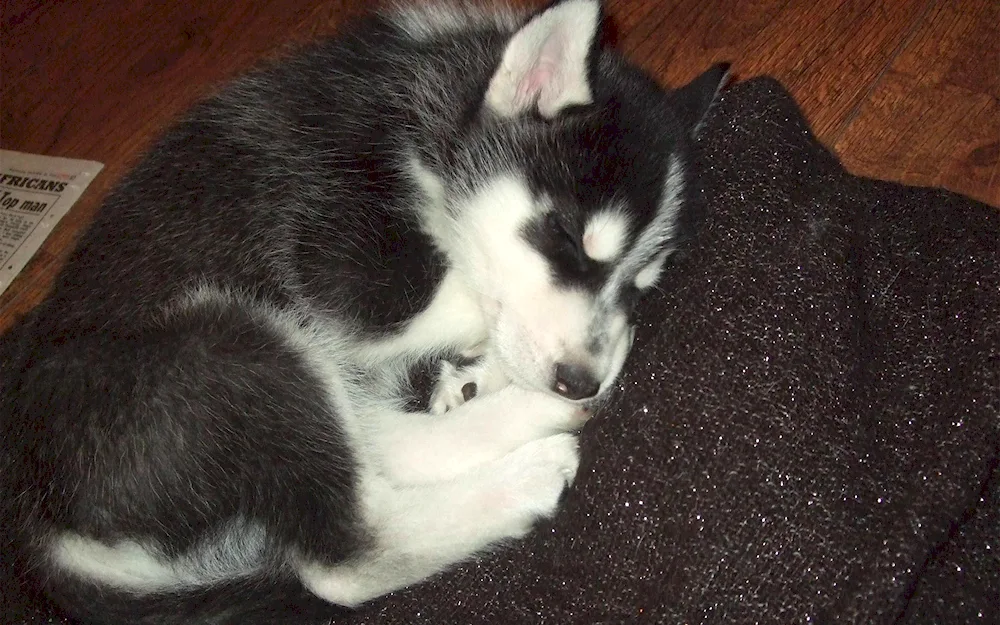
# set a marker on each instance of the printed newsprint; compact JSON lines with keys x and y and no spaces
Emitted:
{"x":35,"y":192}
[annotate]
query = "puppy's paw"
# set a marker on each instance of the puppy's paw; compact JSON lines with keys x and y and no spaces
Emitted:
{"x":541,"y":413}
{"x":452,"y":388}
{"x":457,"y":385}
{"x":531,"y":479}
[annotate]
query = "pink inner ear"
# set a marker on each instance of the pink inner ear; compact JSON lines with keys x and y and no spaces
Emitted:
{"x":534,"y":82}
{"x":542,"y":81}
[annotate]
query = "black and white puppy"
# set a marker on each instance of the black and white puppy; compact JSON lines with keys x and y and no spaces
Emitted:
{"x":212,"y":398}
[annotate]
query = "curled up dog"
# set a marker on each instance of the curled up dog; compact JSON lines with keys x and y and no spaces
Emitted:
{"x":207,"y":415}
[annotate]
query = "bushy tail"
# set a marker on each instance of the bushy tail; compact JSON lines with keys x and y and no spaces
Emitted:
{"x":243,"y":602}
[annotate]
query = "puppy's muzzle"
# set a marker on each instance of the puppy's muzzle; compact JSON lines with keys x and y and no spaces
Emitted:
{"x":575,"y":381}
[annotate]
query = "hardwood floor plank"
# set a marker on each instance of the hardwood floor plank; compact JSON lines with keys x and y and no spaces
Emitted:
{"x":934,"y":118}
{"x":826,"y":53}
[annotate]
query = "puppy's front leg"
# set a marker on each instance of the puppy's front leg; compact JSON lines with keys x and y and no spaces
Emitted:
{"x":421,"y":530}
{"x":416,"y":448}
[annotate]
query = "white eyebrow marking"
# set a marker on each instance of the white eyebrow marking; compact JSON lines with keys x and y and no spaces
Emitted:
{"x":605,"y":234}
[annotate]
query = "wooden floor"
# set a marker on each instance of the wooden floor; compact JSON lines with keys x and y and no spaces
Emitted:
{"x":906,"y":90}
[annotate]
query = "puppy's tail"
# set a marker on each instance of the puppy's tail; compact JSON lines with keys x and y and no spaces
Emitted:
{"x":239,"y":602}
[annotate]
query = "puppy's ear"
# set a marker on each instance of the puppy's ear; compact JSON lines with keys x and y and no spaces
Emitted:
{"x":693,"y":101}
{"x":546,"y":64}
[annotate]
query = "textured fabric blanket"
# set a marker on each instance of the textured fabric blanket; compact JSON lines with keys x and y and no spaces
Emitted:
{"x":807,"y":430}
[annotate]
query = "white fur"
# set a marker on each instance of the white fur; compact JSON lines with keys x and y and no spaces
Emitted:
{"x":649,"y":274}
{"x":236,"y":550}
{"x":127,"y":565}
{"x":605,"y":235}
{"x":545,"y":63}
{"x":619,"y":335}
{"x":443,"y":447}
{"x":435,"y":219}
{"x":534,"y":323}
{"x":426,"y":528}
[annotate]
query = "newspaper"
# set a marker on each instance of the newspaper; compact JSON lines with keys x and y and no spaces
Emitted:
{"x":35,"y":192}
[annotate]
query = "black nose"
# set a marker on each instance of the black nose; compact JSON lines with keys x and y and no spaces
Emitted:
{"x":575,"y":382}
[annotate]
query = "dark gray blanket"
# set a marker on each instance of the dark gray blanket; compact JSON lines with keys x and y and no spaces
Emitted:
{"x":808,"y":426}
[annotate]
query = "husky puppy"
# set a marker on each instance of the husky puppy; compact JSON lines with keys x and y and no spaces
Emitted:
{"x":210,"y":406}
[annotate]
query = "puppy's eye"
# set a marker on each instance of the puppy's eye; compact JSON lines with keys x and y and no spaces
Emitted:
{"x":562,"y":235}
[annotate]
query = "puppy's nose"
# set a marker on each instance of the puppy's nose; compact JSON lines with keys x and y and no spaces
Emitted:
{"x":575,"y":382}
